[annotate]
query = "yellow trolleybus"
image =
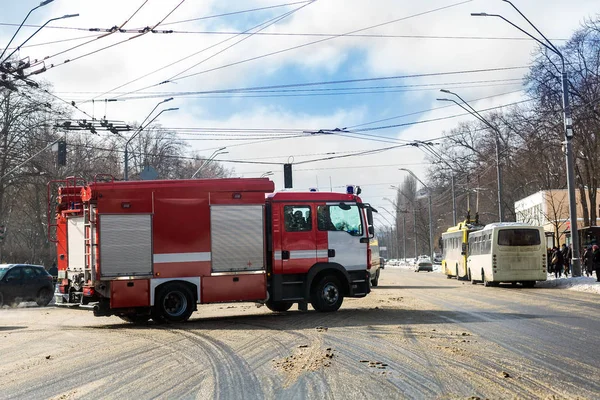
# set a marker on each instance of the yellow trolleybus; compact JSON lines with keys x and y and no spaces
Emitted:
{"x":455,"y":249}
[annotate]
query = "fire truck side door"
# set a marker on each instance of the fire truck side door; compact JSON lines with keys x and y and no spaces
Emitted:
{"x":346,"y":234}
{"x":298,"y":238}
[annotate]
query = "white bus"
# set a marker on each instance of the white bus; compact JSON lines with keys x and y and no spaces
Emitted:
{"x":507,"y":252}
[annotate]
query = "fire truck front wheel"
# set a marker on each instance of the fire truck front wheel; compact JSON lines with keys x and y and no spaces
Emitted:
{"x":174,"y":303}
{"x":327,"y":294}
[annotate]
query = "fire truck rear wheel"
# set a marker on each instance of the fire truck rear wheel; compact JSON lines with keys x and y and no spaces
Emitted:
{"x":279,"y":306}
{"x":174,"y":303}
{"x":135,"y":318}
{"x":327,"y":295}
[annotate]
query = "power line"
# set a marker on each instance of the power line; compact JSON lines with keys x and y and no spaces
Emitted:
{"x":320,"y":83}
{"x":327,"y":39}
{"x":430,"y":109}
{"x":358,"y":91}
{"x":238,"y":12}
{"x":110,"y":32}
{"x":423,"y":85}
{"x":301,"y":46}
{"x":266,"y":23}
{"x":291,"y":34}
{"x":144,"y":32}
{"x":270,"y":23}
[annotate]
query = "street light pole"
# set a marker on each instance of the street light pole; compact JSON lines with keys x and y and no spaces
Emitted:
{"x":43,"y":3}
{"x":477,"y":115}
{"x":141,"y":128}
{"x":404,"y":212}
{"x":430,"y":216}
{"x":209,"y":159}
{"x":415,"y":230}
{"x":403,"y":234}
{"x":427,"y":146}
{"x":568,"y":131}
{"x":35,"y":33}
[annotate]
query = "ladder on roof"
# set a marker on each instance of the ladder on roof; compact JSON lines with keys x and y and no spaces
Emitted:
{"x":89,"y":240}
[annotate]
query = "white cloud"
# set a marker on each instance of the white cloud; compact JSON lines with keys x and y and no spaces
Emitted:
{"x":355,"y":56}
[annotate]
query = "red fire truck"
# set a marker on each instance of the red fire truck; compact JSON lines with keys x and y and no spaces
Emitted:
{"x":155,"y":249}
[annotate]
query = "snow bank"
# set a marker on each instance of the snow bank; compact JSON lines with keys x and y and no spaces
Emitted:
{"x":579,"y":284}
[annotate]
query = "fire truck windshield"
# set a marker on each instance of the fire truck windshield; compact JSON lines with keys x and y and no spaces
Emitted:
{"x":344,"y":218}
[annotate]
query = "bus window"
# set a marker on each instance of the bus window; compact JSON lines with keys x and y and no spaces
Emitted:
{"x":519,"y":237}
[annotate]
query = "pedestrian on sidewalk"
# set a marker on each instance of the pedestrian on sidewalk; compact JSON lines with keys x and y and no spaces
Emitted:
{"x":596,"y":262}
{"x":549,"y":255}
{"x":567,"y":255}
{"x":557,"y":262}
{"x":588,"y":261}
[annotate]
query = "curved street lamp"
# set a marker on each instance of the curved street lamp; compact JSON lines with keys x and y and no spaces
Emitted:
{"x":141,"y":128}
{"x":477,"y":115}
{"x":568,"y":123}
{"x":430,"y":217}
{"x":34,"y":33}
{"x":209,"y":159}
{"x":42,"y":4}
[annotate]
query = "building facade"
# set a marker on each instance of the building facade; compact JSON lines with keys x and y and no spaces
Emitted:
{"x":550,"y":209}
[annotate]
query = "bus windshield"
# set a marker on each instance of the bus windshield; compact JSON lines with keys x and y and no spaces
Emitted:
{"x":519,"y":237}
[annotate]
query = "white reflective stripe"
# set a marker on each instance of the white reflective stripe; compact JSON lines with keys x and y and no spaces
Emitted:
{"x":301,"y":254}
{"x":181,"y":257}
{"x":295,"y":254}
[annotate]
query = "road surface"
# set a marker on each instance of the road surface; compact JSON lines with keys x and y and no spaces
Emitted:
{"x":418,"y":335}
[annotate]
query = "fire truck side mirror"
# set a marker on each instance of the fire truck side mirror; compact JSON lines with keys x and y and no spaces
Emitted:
{"x":371,"y":229}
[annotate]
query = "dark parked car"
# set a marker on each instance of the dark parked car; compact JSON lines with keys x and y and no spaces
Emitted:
{"x":22,"y":282}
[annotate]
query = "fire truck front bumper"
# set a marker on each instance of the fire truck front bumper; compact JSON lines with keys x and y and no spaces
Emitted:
{"x":60,"y":298}
{"x":359,"y":283}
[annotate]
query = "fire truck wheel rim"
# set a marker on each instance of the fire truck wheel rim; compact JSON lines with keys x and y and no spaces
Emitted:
{"x":175,"y":303}
{"x":330,"y":293}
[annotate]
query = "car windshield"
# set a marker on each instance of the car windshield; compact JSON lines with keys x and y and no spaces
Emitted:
{"x":3,"y":271}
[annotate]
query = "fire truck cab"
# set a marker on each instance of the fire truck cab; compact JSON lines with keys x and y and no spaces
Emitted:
{"x":155,"y":249}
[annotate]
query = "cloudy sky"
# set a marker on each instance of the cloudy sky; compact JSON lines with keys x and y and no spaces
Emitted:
{"x":341,"y":48}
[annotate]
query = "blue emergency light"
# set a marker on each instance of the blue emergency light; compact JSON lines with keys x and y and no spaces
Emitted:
{"x":350,"y":189}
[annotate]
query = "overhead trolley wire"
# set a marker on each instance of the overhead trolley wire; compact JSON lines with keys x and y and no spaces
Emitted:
{"x":300,"y":46}
{"x":111,"y":31}
{"x":320,"y":83}
{"x":326,"y":39}
{"x":273,"y":22}
{"x":266,"y":23}
{"x":238,"y":12}
{"x":144,"y":32}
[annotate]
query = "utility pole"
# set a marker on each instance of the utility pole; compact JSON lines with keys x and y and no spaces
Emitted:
{"x":429,"y":149}
{"x":430,"y":214}
{"x":477,"y":115}
{"x":415,"y":230}
{"x":568,"y":131}
{"x":141,"y":128}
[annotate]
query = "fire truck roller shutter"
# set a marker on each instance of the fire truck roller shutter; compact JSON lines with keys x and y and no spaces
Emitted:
{"x":125,"y":244}
{"x":237,"y":238}
{"x":75,"y":243}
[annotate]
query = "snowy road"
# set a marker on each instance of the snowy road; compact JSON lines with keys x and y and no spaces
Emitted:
{"x":416,"y":336}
